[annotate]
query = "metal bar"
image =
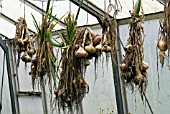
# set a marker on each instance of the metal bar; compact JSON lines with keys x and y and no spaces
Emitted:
{"x":150,"y":16}
{"x":116,"y":76}
{"x":29,"y":93}
{"x":123,"y":90}
{"x":95,"y":8}
{"x":41,"y":11}
{"x":5,"y":48}
{"x":117,"y":86}
{"x":92,"y":9}
{"x":13,"y":72}
{"x":11,"y":21}
{"x":161,"y":1}
{"x":1,"y":35}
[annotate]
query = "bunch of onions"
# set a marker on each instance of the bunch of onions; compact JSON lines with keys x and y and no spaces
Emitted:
{"x":23,"y":42}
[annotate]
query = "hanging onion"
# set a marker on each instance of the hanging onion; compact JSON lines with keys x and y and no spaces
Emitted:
{"x":96,"y":40}
{"x":26,"y":57}
{"x":145,"y":66}
{"x":90,"y":48}
{"x":106,"y":48}
{"x":123,"y":67}
{"x":99,"y":46}
{"x":139,"y":78}
{"x":162,"y":45}
{"x":81,"y":53}
{"x":129,"y":48}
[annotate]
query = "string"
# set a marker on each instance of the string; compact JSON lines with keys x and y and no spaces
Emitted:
{"x":69,"y":6}
{"x":105,"y":6}
{"x":110,"y":7}
{"x":24,"y":9}
{"x":87,"y":16}
{"x":1,"y":5}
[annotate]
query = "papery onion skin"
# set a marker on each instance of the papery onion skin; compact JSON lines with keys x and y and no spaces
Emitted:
{"x":96,"y":40}
{"x":162,"y":45}
{"x":123,"y":67}
{"x":145,"y":65}
{"x":81,"y":53}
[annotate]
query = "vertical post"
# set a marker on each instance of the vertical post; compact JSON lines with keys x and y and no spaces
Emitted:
{"x":10,"y":78}
{"x":116,"y":77}
{"x":117,"y":86}
{"x":123,"y":91}
{"x":13,"y":73}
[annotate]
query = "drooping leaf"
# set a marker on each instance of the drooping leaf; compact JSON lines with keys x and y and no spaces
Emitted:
{"x":52,"y":70}
{"x":36,"y":25}
{"x":78,"y":11}
{"x":56,"y":44}
{"x":53,"y":25}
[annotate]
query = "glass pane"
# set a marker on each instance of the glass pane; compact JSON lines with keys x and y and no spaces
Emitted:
{"x":158,"y":99}
{"x":30,"y":105}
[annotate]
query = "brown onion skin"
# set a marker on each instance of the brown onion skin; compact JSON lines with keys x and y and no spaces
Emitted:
{"x":123,"y":67}
{"x":145,"y":66}
{"x":96,"y":40}
{"x":162,"y":45}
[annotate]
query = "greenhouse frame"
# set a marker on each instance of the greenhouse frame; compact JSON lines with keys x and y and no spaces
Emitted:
{"x":84,"y":56}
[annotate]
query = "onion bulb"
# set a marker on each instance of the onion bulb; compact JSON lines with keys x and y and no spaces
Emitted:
{"x":145,"y":65}
{"x":86,"y":62}
{"x":129,"y":48}
{"x":162,"y":45}
{"x":81,"y":52}
{"x":106,"y":48}
{"x":82,"y":81}
{"x":26,"y":58}
{"x":139,"y":78}
{"x":123,"y":67}
{"x":90,"y":48}
{"x":20,"y":42}
{"x":96,"y":40}
{"x":99,"y":46}
{"x":31,"y":51}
